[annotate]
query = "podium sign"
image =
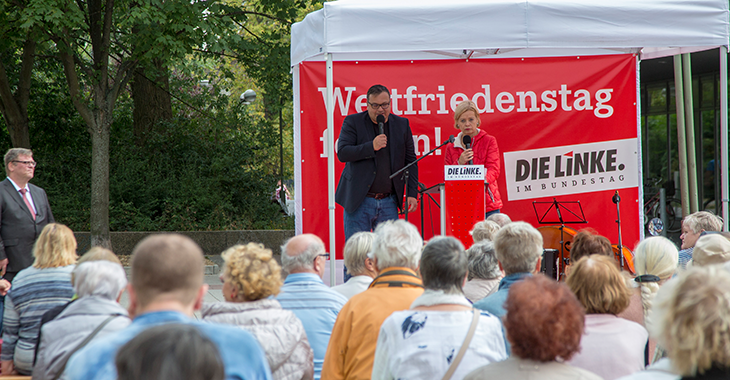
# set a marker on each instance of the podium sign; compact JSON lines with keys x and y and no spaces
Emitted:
{"x":464,"y":200}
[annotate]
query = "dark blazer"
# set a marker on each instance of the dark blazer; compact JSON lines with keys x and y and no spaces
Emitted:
{"x":18,"y":230}
{"x":355,"y":148}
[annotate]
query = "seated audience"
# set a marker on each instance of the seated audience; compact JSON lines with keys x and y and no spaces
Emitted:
{"x":358,"y":264}
{"x":170,"y":351}
{"x":484,"y":230}
{"x":250,"y":278}
{"x":611,"y":347}
{"x":692,"y":227}
{"x":544,"y":324}
{"x":167,"y":286}
{"x":421,"y":343}
{"x":95,"y":313}
{"x":484,"y":273}
{"x":94,"y":254}
{"x":36,"y":289}
{"x":691,"y":315}
{"x":397,"y":250}
{"x":586,"y":243}
{"x":518,"y":247}
{"x":304,"y":292}
{"x":500,"y":218}
{"x":655,"y":262}
{"x":711,"y":249}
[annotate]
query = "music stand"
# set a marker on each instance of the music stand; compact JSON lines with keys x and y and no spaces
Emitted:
{"x":573,"y":211}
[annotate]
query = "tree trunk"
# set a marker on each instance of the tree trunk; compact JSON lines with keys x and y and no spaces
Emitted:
{"x":14,"y":107}
{"x":152,"y":101}
{"x":100,"y":181}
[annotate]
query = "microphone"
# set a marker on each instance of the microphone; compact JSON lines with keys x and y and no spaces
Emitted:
{"x":467,"y":143}
{"x":616,"y":198}
{"x":381,"y":120}
{"x":451,"y":139}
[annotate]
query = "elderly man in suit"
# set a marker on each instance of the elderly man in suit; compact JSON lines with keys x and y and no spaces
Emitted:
{"x":371,"y":154}
{"x":24,"y":211}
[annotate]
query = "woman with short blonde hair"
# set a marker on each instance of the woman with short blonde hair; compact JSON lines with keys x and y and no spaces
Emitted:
{"x":611,"y":346}
{"x":473,"y":145}
{"x":250,"y":277}
{"x":37,"y":289}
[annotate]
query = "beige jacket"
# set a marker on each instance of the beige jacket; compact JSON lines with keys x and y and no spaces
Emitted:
{"x":280,"y":333}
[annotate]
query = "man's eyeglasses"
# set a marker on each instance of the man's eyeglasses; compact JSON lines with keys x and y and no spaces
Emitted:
{"x":325,"y":255}
{"x":383,"y":106}
{"x":32,"y":164}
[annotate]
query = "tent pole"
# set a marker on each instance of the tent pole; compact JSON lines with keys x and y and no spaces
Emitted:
{"x":725,"y":196}
{"x":681,"y":138}
{"x":689,"y":126}
{"x":331,"y":168}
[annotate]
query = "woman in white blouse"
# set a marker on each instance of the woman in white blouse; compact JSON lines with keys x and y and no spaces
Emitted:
{"x":422,"y":342}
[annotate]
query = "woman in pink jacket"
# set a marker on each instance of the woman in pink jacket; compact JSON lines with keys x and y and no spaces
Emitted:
{"x":483,"y":151}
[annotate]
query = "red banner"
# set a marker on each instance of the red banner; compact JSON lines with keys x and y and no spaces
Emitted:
{"x":566,"y":129}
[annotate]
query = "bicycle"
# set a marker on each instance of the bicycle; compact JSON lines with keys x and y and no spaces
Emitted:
{"x":672,"y":208}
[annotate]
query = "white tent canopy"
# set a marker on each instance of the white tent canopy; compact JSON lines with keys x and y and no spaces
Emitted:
{"x":428,"y":29}
{"x":348,"y":30}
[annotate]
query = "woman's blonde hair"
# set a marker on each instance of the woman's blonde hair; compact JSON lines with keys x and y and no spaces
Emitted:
{"x":657,"y":256}
{"x":55,"y":247}
{"x":252,"y":269}
{"x":599,"y":286}
{"x":693,"y":320}
{"x":466,"y":105}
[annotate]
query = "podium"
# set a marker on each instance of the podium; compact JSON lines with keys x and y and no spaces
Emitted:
{"x":464,"y":200}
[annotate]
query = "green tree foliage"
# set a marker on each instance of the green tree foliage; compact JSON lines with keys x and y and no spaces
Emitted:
{"x":210,"y":167}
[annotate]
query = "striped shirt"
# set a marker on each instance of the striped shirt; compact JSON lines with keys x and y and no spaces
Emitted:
{"x":685,"y":256}
{"x":34,"y":292}
{"x":317,"y":306}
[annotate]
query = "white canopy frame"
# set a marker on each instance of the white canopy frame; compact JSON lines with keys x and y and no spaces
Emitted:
{"x":348,"y":30}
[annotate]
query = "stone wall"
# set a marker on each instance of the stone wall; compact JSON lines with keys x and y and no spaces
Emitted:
{"x":212,"y":242}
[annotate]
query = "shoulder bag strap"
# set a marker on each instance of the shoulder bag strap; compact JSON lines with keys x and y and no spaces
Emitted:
{"x":82,"y":344}
{"x":464,"y":346}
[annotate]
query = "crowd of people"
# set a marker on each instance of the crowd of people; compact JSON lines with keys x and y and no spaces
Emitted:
{"x":411,"y":310}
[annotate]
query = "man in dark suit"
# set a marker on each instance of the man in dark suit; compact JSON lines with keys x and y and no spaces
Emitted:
{"x":365,"y":191}
{"x":24,"y":211}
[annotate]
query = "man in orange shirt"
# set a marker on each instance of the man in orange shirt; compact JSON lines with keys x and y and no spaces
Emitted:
{"x":397,"y":251}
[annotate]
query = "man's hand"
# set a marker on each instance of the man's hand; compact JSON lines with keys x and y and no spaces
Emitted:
{"x":380,"y":142}
{"x":4,"y":287}
{"x":412,"y":204}
{"x":3,"y":266}
{"x":8,"y":368}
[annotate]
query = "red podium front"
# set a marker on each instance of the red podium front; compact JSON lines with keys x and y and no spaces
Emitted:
{"x":464,"y":200}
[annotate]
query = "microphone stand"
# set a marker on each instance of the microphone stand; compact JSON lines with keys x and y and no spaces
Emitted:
{"x":405,"y":171}
{"x":617,"y":199}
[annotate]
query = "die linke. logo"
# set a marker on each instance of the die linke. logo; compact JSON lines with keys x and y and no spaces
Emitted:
{"x":571,"y":169}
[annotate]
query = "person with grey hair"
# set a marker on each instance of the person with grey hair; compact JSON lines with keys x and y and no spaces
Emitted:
{"x":303,"y":257}
{"x":484,"y":230}
{"x":500,"y":218}
{"x":421,"y":343}
{"x":95,"y":313}
{"x":24,"y":212}
{"x":518,"y":247}
{"x":693,"y":227}
{"x":484,"y":273}
{"x":396,"y":252}
{"x":358,"y":264}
